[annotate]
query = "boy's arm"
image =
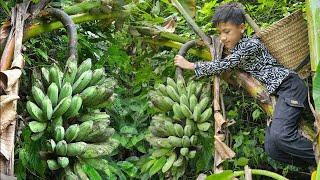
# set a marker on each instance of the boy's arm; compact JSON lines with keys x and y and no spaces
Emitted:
{"x":245,"y":51}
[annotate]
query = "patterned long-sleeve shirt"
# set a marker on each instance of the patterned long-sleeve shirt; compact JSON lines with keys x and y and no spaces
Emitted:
{"x":251,"y":56}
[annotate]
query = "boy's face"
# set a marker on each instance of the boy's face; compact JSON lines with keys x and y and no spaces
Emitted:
{"x":230,"y":33}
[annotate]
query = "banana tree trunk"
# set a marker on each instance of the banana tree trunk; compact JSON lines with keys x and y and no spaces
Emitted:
{"x":313,"y":16}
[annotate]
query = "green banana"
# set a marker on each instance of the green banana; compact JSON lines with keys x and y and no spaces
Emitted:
{"x":75,"y":106}
{"x":59,"y":133}
{"x":76,"y":149}
{"x":159,"y":142}
{"x":98,"y":116}
{"x":100,"y":95}
{"x":198,"y":89}
{"x":70,"y":71}
{"x":206,"y":115}
{"x":162,"y":89}
{"x":192,"y":154}
{"x":106,"y":93}
{"x":88,"y":93}
{"x":160,"y":152}
{"x":50,"y":145}
{"x":63,"y":161}
{"x":157,"y":131}
{"x":58,"y":121}
{"x":193,"y":140}
{"x":191,"y":88}
{"x":172,"y":93}
{"x":186,"y":111}
{"x":175,"y":141}
{"x":168,"y":101}
{"x":53,"y":164}
{"x":82,"y":82}
{"x":169,"y":127}
{"x":160,"y":104}
{"x":84,"y":66}
{"x":72,"y":132}
{"x":161,"y":117}
{"x":101,"y":149}
{"x":36,"y":126}
{"x":172,"y":83}
{"x":66,"y":91}
{"x":62,"y":107}
{"x":61,"y":148}
{"x":53,"y":93}
{"x":96,"y":76}
{"x":47,"y":108}
{"x":99,"y":135}
{"x":206,"y":91}
{"x":204,"y":126}
{"x":38,"y":95}
{"x":35,"y":112}
{"x":197,"y":113}
{"x":185,"y":141}
{"x":184,"y":100}
{"x":204,"y":103}
{"x":188,"y":130}
{"x":181,"y":87}
{"x":85,"y":129}
{"x":179,"y":161}
{"x":178,"y":130}
{"x":37,"y":136}
{"x":54,"y":76}
{"x":178,"y":115}
{"x":193,"y":102}
{"x":184,"y":151}
{"x":102,"y":81}
{"x":169,"y":162}
{"x":45,"y":75}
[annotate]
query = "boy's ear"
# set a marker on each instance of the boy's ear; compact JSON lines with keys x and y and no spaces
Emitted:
{"x":242,"y":26}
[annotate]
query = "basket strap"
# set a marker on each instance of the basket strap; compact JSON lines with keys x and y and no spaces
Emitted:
{"x":252,"y":23}
{"x":303,"y":63}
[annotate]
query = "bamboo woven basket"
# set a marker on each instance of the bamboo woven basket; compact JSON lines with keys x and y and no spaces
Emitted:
{"x":287,"y":41}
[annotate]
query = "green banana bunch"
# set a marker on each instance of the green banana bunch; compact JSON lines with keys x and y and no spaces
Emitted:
{"x":184,"y":116}
{"x":65,"y":110}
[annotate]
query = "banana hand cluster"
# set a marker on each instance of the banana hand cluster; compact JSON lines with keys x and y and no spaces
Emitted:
{"x":65,"y":111}
{"x":184,"y":114}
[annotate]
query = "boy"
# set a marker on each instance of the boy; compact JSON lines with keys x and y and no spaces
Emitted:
{"x":282,"y":140}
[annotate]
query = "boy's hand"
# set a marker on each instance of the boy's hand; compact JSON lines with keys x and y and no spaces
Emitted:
{"x":183,"y":63}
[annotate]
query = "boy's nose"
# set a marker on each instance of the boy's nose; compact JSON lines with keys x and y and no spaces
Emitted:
{"x":223,"y":39}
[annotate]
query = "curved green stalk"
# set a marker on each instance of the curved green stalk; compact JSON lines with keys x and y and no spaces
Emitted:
{"x":36,"y":29}
{"x":261,"y":172}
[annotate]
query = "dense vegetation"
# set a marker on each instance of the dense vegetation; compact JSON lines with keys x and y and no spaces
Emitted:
{"x":137,"y":67}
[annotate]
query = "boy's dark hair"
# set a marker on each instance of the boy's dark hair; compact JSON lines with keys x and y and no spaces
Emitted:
{"x":230,"y":12}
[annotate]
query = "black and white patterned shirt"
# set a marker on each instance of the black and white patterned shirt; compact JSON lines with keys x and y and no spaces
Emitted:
{"x":251,"y":56}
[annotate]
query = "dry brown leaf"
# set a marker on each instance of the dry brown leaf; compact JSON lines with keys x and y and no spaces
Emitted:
{"x":4,"y":31}
{"x":7,"y":141}
{"x":219,"y":119}
{"x":9,"y":78}
{"x":18,"y":62}
{"x":224,"y":151}
{"x":4,"y":99}
{"x":170,"y":24}
{"x":7,"y":115}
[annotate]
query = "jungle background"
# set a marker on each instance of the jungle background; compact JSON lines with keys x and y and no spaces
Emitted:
{"x":137,"y":64}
